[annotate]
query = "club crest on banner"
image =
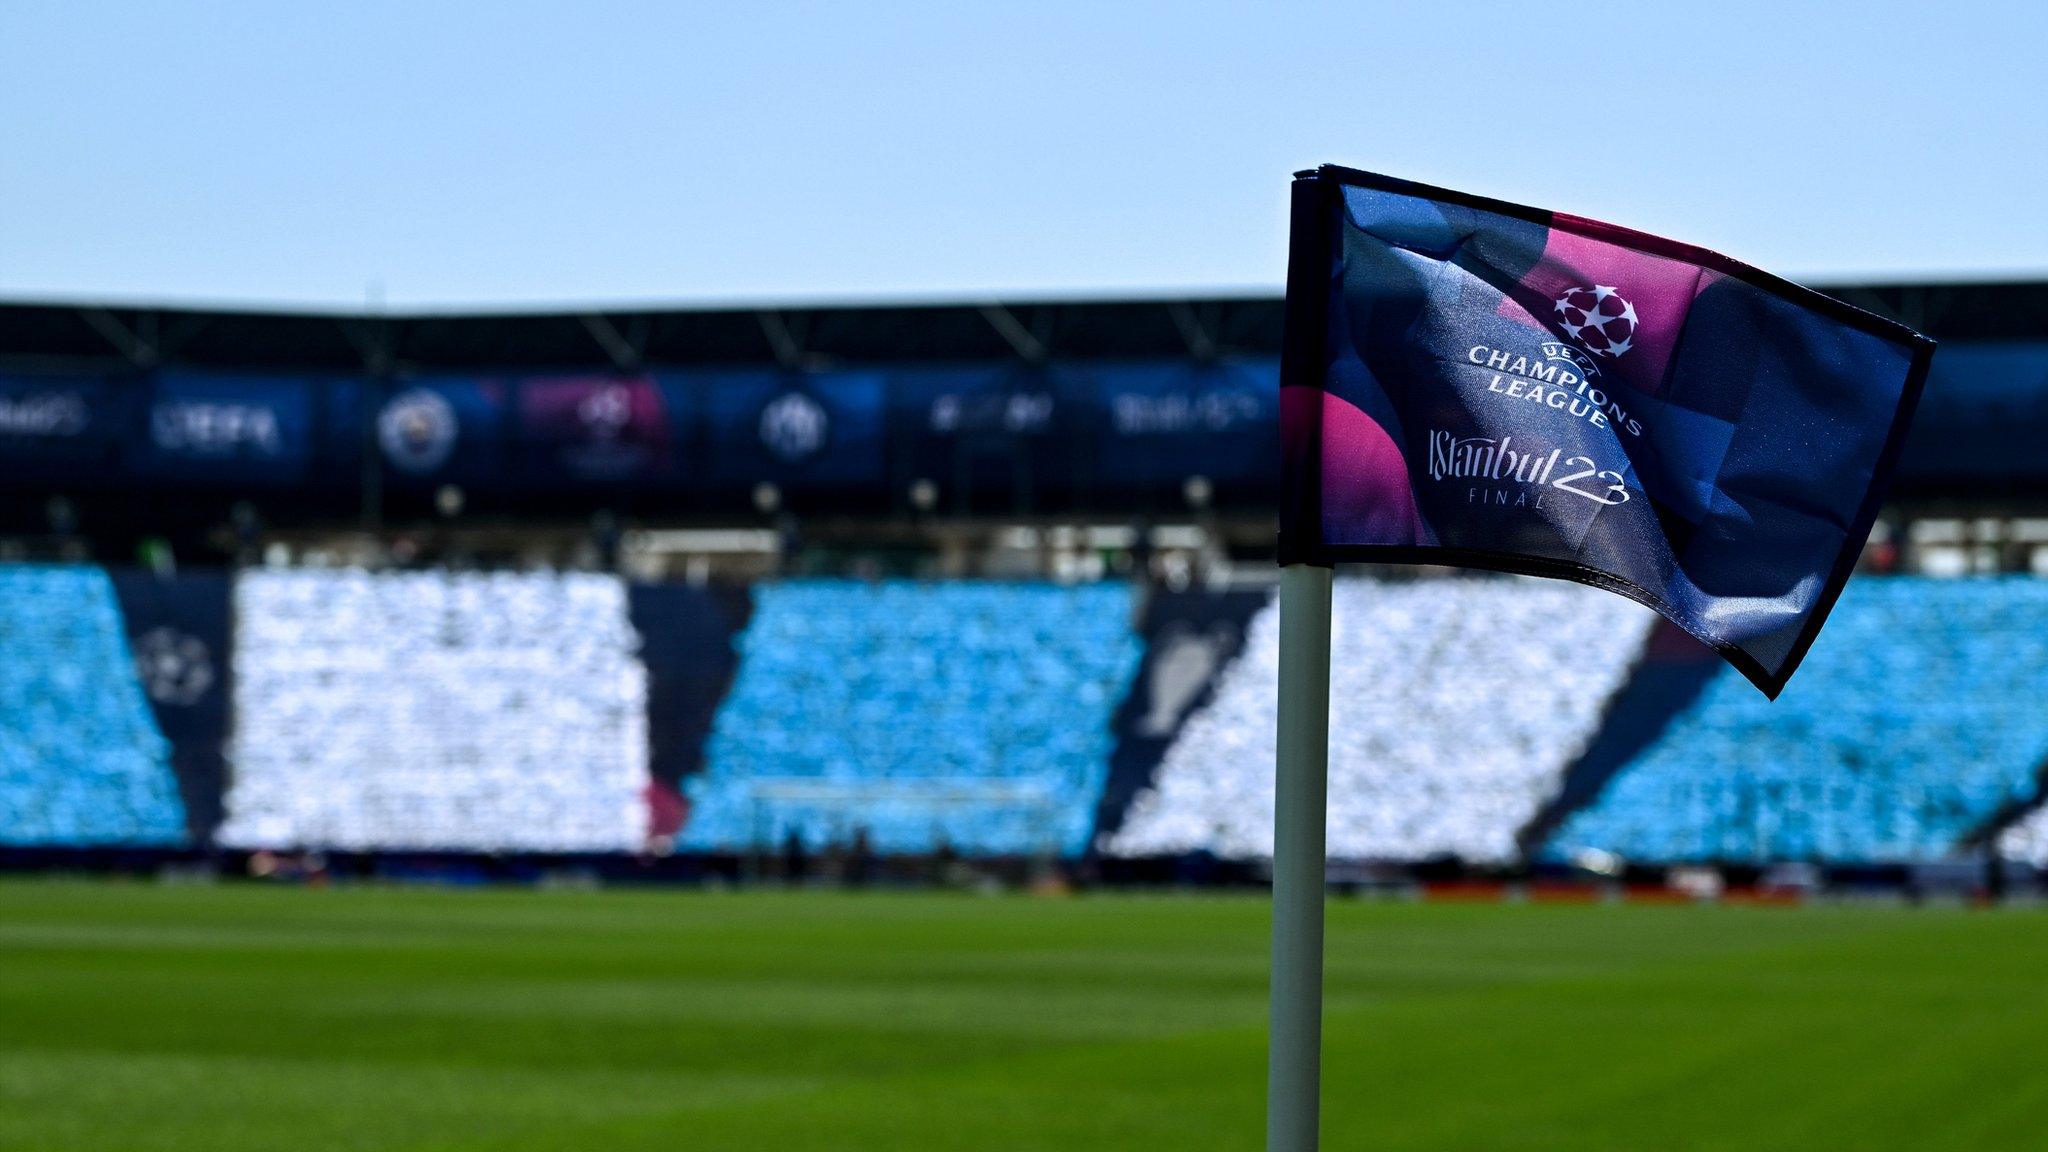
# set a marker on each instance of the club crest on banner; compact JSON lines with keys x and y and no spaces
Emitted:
{"x":794,"y":427}
{"x":417,"y":430}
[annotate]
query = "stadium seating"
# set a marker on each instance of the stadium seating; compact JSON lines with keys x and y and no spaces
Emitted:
{"x":502,"y":712}
{"x":1456,"y":704}
{"x":1672,"y":672}
{"x":1916,"y":717}
{"x":970,"y":714}
{"x":82,"y":762}
{"x":509,"y":712}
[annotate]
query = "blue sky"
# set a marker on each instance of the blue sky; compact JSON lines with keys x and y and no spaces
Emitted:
{"x":443,"y":155}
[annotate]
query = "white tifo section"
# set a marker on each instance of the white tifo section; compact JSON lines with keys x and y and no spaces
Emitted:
{"x":1456,"y":704}
{"x":2027,"y":840}
{"x":438,"y":710}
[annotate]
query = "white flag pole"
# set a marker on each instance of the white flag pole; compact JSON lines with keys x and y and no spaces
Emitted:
{"x":1300,"y":808}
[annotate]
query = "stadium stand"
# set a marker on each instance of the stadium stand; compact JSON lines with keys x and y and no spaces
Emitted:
{"x":436,"y":711}
{"x":911,"y":440}
{"x":968,"y":714}
{"x":1456,"y":705}
{"x":82,"y":762}
{"x":1916,"y":718}
{"x":518,"y":713}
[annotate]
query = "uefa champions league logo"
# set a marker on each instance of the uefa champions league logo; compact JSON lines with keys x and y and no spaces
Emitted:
{"x":1598,"y":318}
{"x":417,"y":430}
{"x":175,"y":667}
{"x":606,"y":412}
{"x":794,"y":427}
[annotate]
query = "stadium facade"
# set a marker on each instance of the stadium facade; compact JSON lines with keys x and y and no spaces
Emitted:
{"x":716,"y":587}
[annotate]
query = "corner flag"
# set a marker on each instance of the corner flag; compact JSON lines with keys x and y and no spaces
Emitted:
{"x":1475,"y":383}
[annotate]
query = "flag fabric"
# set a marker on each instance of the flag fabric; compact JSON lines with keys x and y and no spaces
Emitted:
{"x":1475,"y":383}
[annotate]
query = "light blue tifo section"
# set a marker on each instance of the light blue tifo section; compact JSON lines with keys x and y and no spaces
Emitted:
{"x":975,"y":714}
{"x":82,"y":762}
{"x":1916,"y":716}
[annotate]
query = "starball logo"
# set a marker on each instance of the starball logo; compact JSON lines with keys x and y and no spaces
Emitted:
{"x":175,"y":667}
{"x":606,"y":411}
{"x":1598,"y":319}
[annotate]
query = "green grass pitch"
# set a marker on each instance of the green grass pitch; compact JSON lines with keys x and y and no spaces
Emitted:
{"x":218,"y":1019}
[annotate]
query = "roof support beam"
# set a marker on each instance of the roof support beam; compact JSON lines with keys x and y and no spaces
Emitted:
{"x":1022,"y":340}
{"x":373,"y":341}
{"x":1200,"y":344}
{"x":175,"y":334}
{"x":137,"y":344}
{"x":625,"y":354}
{"x":786,"y":342}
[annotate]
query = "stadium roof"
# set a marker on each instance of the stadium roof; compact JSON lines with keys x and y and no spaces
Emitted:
{"x":102,"y":337}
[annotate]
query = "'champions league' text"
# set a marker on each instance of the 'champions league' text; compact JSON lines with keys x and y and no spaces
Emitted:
{"x":1558,"y":380}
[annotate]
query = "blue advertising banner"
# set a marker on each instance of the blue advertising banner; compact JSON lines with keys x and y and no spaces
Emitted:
{"x":1169,"y":421}
{"x":205,"y":428}
{"x":985,"y":434}
{"x":595,"y":429}
{"x":943,"y":404}
{"x":798,"y":430}
{"x":1982,"y":417}
{"x":62,"y":429}
{"x":339,"y":444}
